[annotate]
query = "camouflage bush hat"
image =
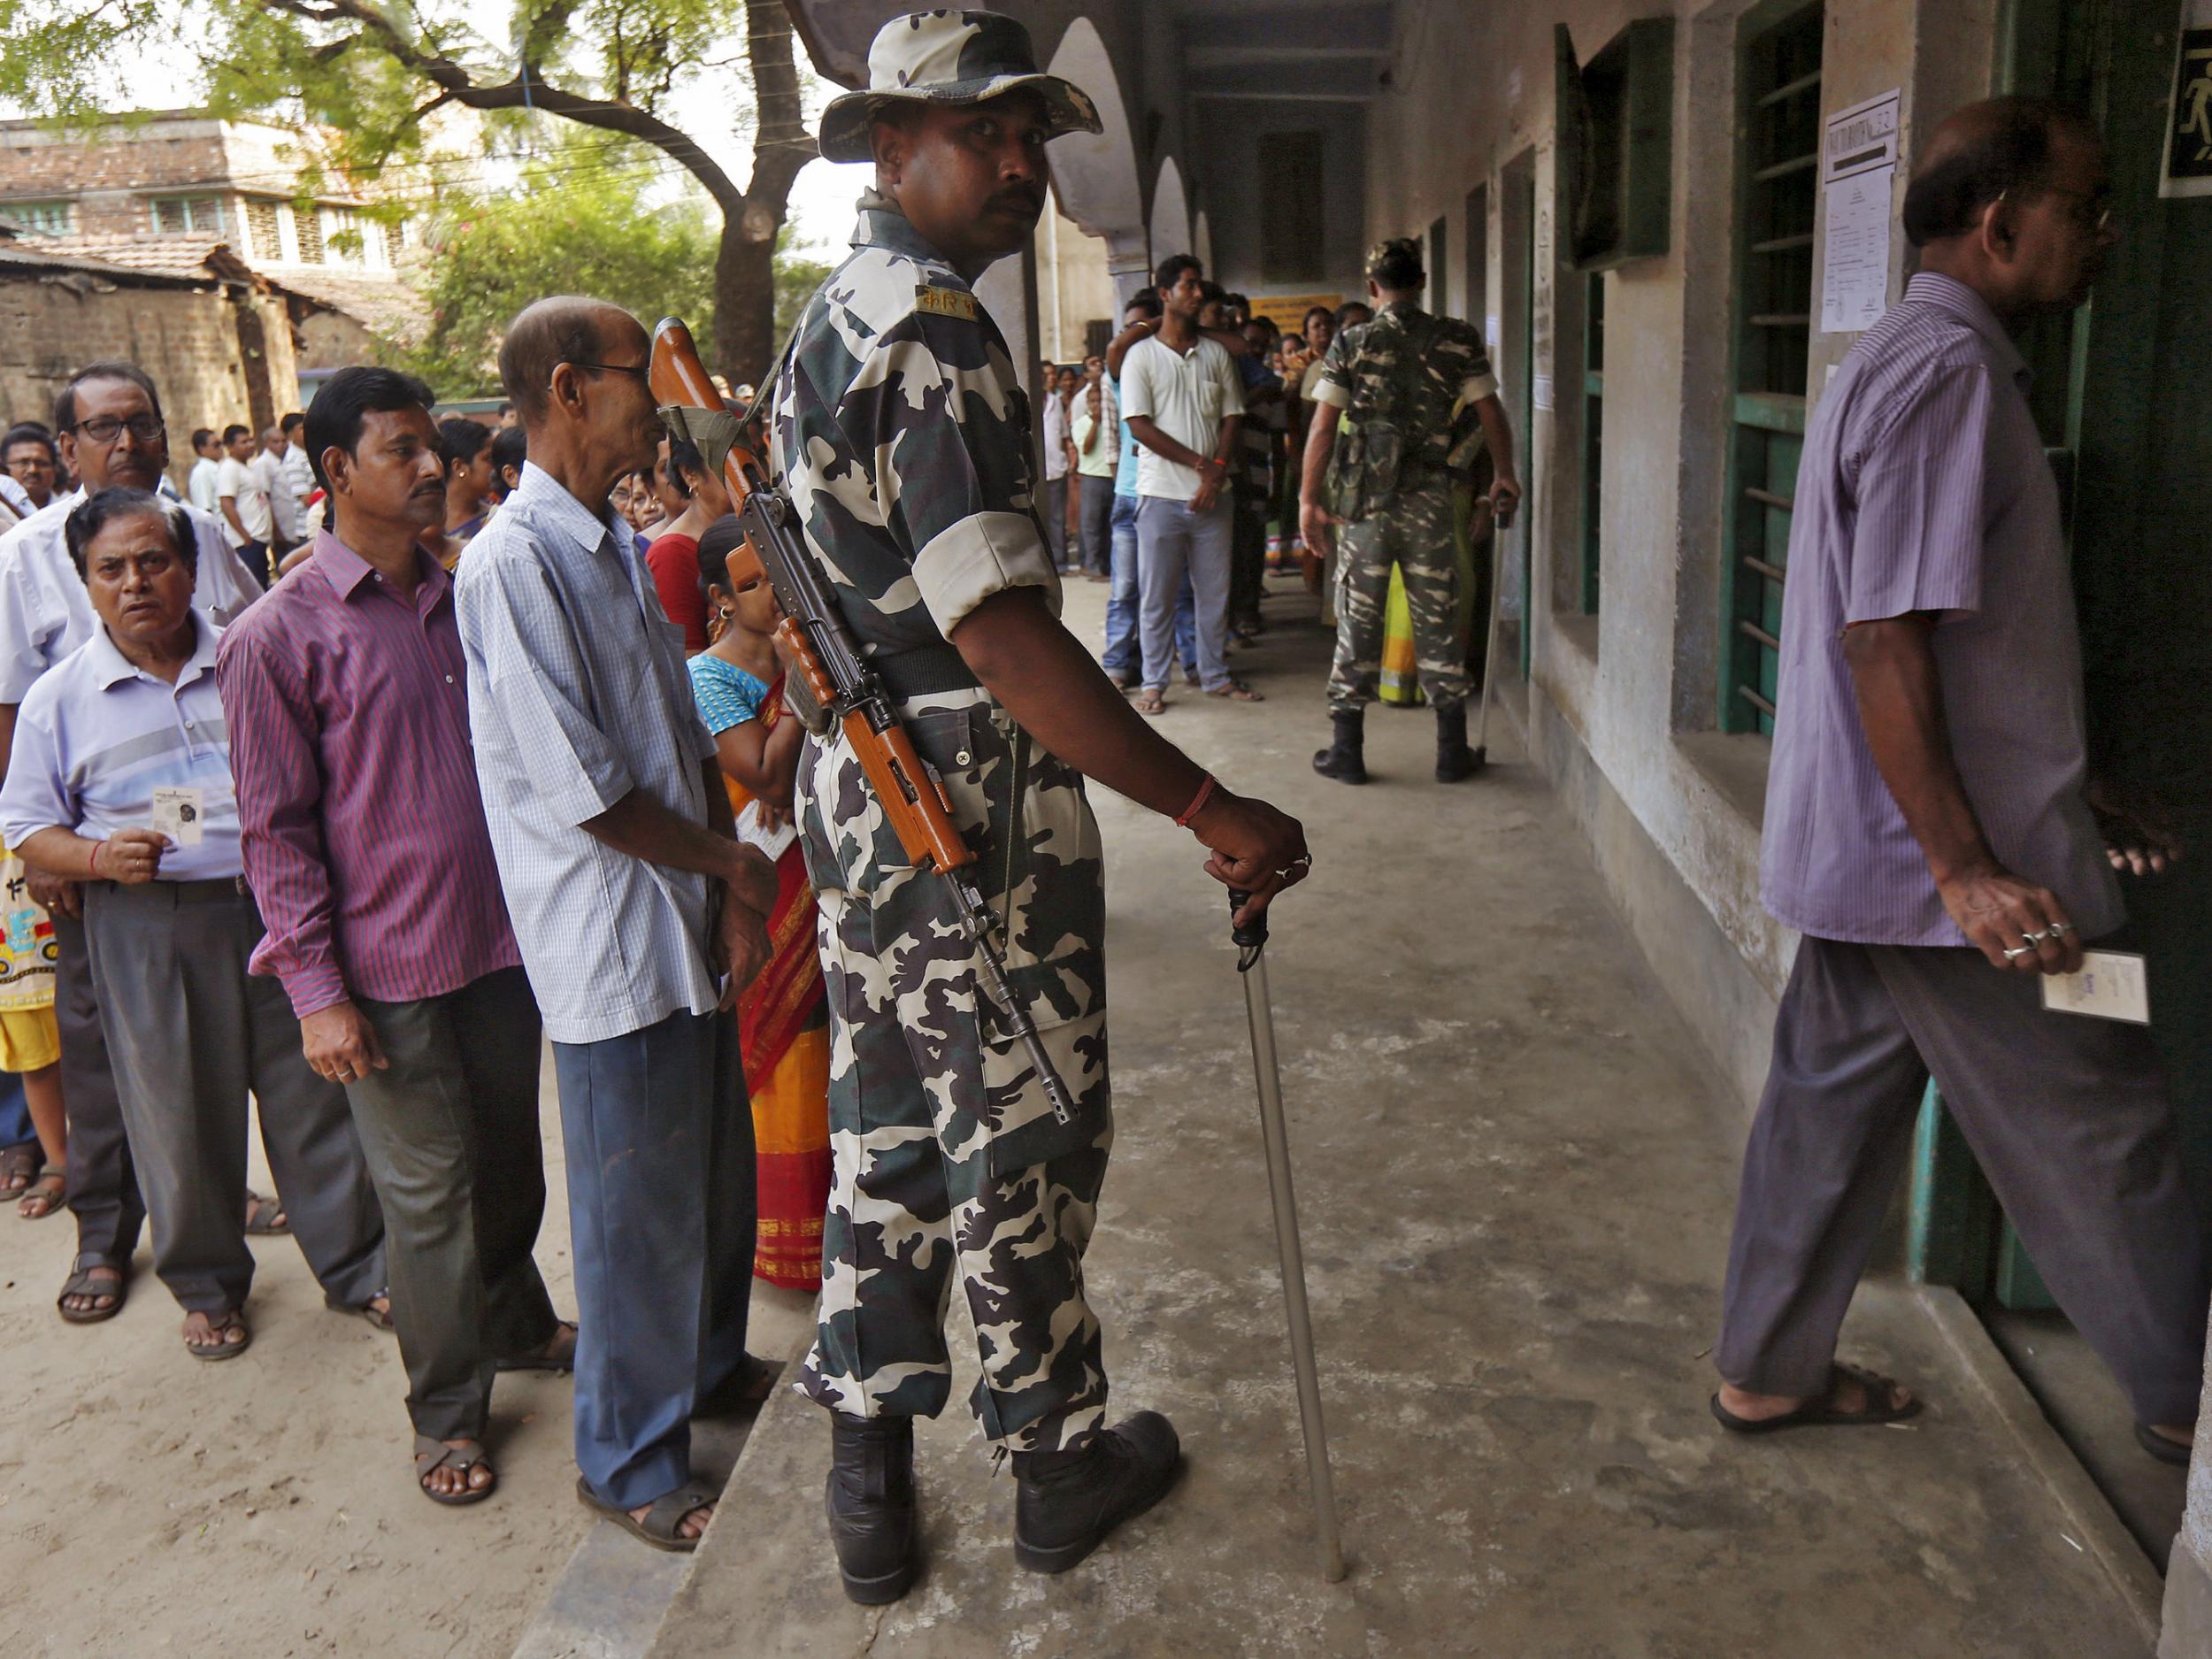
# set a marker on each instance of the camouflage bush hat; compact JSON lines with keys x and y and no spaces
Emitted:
{"x":949,"y":58}
{"x":1396,"y":264}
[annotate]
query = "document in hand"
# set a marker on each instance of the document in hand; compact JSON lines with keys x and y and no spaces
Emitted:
{"x":2112,"y":985}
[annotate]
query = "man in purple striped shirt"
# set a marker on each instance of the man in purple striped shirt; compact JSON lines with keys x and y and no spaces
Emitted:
{"x":365,"y":845}
{"x":1930,"y":827}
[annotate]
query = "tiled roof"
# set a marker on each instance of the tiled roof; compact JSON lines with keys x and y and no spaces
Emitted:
{"x":382,"y":305}
{"x":198,"y":256}
{"x":385,"y":305}
{"x":16,"y":255}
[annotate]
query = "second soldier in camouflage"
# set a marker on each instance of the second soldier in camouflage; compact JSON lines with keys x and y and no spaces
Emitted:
{"x":1412,"y":391}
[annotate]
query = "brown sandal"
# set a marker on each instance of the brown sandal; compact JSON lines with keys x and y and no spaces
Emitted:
{"x":20,"y":1167}
{"x":1151,"y":703}
{"x":1237,"y":691}
{"x":81,"y":1283}
{"x":434,"y":1454}
{"x":47,"y":1191}
{"x":229,"y":1319}
{"x":662,"y":1525}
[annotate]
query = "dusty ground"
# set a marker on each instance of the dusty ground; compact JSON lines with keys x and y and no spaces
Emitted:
{"x":151,"y":1504}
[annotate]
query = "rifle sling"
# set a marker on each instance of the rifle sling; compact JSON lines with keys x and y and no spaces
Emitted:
{"x":924,"y":671}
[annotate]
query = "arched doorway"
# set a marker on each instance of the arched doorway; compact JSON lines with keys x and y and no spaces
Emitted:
{"x":1170,"y":214}
{"x":1094,"y":174}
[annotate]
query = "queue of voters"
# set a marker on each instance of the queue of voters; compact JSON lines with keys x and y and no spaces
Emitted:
{"x":367,"y":769}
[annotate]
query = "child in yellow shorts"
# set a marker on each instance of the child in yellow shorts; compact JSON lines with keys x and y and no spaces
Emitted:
{"x":30,"y":1041}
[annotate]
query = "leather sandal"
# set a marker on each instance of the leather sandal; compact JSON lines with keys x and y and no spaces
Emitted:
{"x":1821,"y":1411}
{"x":661,"y":1524}
{"x":432,"y":1454}
{"x":229,"y":1319}
{"x":81,"y":1283}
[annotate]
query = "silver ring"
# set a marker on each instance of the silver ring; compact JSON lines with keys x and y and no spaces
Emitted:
{"x":2024,"y":950}
{"x":2061,"y":927}
{"x":2034,"y":939}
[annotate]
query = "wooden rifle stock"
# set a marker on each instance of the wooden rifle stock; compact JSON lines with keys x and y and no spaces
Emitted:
{"x":912,"y":799}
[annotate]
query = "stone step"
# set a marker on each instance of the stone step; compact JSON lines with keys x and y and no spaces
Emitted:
{"x":609,"y":1598}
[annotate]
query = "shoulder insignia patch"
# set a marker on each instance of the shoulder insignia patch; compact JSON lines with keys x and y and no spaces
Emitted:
{"x":946,"y":302}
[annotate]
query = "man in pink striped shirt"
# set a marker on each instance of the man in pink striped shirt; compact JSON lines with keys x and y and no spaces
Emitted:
{"x":366,"y":846}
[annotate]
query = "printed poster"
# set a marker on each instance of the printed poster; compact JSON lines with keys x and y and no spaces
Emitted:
{"x":1858,"y":172}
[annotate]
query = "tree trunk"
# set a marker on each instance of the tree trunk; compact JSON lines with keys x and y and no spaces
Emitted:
{"x":744,"y":303}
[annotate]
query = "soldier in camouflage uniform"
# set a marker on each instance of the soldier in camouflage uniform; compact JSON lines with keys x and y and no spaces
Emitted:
{"x":902,"y":437}
{"x":1416,"y":398}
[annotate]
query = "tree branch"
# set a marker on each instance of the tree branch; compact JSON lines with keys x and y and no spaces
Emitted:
{"x":528,"y":89}
{"x":781,"y":144}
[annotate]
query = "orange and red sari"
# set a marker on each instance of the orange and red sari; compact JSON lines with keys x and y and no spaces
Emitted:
{"x":783,"y":1029}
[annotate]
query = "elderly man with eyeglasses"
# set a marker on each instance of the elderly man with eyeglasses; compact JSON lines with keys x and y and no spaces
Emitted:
{"x":108,"y":423}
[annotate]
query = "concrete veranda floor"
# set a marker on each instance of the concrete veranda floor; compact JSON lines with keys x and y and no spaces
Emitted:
{"x":1516,"y":1174}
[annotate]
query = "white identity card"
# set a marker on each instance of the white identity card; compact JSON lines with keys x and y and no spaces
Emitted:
{"x":2112,"y":985}
{"x":178,"y":814}
{"x":774,"y":842}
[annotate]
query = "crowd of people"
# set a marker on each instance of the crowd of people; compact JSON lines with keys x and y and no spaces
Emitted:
{"x":286,"y":818}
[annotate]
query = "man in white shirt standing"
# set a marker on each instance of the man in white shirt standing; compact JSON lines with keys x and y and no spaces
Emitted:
{"x":200,"y":485}
{"x":284,"y":511}
{"x":1183,"y":401}
{"x":1056,"y":468}
{"x":108,"y":423}
{"x":243,"y":494}
{"x":295,"y":469}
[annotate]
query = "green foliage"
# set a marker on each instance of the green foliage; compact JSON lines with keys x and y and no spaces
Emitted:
{"x":575,"y":228}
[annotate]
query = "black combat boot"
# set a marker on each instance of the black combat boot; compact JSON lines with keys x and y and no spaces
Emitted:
{"x":870,"y":1502}
{"x":1066,"y":1502}
{"x":1453,"y":759}
{"x":1345,"y":759}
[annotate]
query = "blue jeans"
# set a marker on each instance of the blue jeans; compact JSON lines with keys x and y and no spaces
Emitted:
{"x":1177,"y":549}
{"x":15,"y":1113}
{"x":661,"y":1199}
{"x":1121,"y":601}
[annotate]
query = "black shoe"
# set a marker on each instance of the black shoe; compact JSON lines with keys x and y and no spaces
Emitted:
{"x":1066,"y":1502}
{"x":871,"y":1504}
{"x":1453,"y":759}
{"x":1345,"y":759}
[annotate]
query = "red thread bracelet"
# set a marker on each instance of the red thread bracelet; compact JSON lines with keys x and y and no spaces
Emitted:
{"x":1205,"y":792}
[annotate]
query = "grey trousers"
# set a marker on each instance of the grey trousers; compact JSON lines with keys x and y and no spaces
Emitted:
{"x":450,"y":1134}
{"x":102,"y":1186}
{"x":1173,"y":541}
{"x":2067,"y":1117}
{"x":190,"y":1032}
{"x":1056,"y":519}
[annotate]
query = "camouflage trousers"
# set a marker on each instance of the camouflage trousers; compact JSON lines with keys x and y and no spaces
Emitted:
{"x":946,"y":1159}
{"x":1414,"y":530}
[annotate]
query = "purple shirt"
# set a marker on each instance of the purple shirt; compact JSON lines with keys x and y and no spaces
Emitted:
{"x":1924,"y":487}
{"x":364,"y":832}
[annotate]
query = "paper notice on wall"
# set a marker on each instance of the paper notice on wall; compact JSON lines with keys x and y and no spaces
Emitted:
{"x":1854,"y":274}
{"x":1542,"y":390}
{"x":2186,"y":168}
{"x":1858,"y":168}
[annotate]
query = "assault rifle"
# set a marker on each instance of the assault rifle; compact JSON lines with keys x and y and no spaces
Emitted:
{"x":832,"y":682}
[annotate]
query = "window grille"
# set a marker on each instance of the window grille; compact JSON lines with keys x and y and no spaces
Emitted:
{"x":1778,"y":174}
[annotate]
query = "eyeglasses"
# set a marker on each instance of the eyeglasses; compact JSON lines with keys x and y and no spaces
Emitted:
{"x":637,"y":370}
{"x":104,"y":429}
{"x":2100,"y":205}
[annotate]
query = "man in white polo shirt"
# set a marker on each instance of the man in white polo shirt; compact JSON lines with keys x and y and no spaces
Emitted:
{"x":1183,"y":401}
{"x":121,"y":781}
{"x":108,"y":421}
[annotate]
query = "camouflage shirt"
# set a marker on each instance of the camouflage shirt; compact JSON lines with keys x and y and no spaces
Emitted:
{"x":1403,"y":379}
{"x":902,"y":437}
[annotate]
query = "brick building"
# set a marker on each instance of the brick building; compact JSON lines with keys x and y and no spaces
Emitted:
{"x":218,"y":200}
{"x":217,"y":339}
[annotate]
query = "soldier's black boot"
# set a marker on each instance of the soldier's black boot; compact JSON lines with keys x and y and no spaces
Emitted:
{"x":1066,"y":1502}
{"x":1453,"y":759}
{"x":870,"y":1502}
{"x":1345,"y":757}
